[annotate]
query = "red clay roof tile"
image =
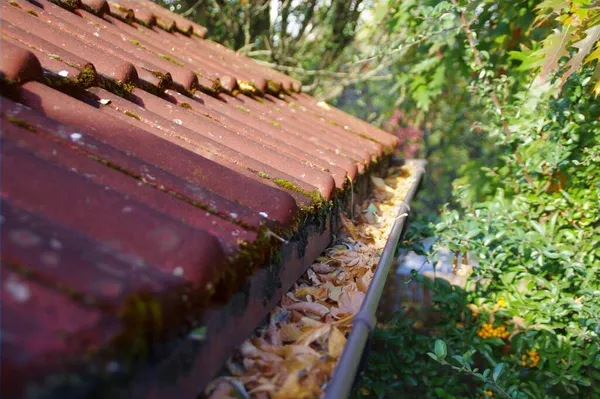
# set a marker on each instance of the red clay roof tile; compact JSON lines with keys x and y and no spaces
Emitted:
{"x":72,"y":199}
{"x":19,"y":65}
{"x":44,"y":329}
{"x":108,"y":66}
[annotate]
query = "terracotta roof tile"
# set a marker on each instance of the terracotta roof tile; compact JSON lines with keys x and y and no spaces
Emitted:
{"x":44,"y":329}
{"x":143,"y":164}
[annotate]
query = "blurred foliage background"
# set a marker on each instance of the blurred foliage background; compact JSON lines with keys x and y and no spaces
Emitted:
{"x":500,"y":96}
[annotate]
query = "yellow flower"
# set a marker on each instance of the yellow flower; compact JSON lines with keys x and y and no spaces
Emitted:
{"x":530,"y":360}
{"x":502,"y":302}
{"x":488,"y":331}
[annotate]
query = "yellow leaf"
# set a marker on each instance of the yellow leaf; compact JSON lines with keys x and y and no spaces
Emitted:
{"x":349,"y":226}
{"x":314,"y":334}
{"x":300,"y":352}
{"x":291,"y":388}
{"x":594,"y":55}
{"x":336,"y":343}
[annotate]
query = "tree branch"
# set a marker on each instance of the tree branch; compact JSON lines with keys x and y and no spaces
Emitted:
{"x":192,"y":8}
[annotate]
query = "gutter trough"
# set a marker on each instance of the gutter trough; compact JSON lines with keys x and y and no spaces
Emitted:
{"x":355,"y":353}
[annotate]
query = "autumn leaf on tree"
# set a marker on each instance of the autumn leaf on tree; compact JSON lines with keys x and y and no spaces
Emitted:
{"x":584,"y":47}
{"x":555,"y":47}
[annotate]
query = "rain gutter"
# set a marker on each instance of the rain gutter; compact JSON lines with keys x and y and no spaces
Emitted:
{"x":364,"y":322}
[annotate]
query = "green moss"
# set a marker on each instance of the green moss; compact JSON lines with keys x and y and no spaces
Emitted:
{"x":273,"y":87}
{"x":137,"y":43}
{"x":165,"y":27}
{"x":217,"y":86}
{"x":260,"y":100}
{"x":185,"y":105}
{"x":209,"y":90}
{"x":315,"y":196}
{"x":276,"y":124}
{"x":31,"y":12}
{"x":242,"y":108}
{"x":187,"y":32}
{"x":55,"y":57}
{"x":158,"y":74}
{"x":166,"y":57}
{"x":316,"y":213}
{"x":125,"y":15}
{"x":86,"y":77}
{"x":14,"y":4}
{"x":70,"y":5}
{"x":143,"y":23}
{"x":20,"y":122}
{"x":114,"y":86}
{"x":131,"y":114}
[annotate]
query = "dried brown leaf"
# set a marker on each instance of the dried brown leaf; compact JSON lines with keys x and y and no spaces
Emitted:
{"x":350,"y":302}
{"x":289,"y":333}
{"x":310,"y":307}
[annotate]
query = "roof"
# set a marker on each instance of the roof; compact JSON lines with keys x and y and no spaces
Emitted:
{"x":147,"y":174}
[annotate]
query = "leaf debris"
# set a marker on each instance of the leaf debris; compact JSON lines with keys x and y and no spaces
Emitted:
{"x":296,"y":354}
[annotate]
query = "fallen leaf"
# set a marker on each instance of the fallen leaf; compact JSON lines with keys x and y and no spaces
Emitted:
{"x":298,"y":350}
{"x":313,"y":308}
{"x":289,"y":332}
{"x":314,"y":334}
{"x":307,"y":321}
{"x":350,"y":302}
{"x":336,"y":343}
{"x":363,"y":283}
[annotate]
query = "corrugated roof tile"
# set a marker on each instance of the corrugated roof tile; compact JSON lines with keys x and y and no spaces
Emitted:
{"x":72,"y":199}
{"x":19,"y":65}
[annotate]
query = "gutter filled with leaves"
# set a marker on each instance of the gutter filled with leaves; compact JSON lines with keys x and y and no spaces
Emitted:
{"x":327,"y":317}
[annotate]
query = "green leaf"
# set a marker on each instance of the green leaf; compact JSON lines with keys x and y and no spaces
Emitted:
{"x":498,"y":371}
{"x":440,"y":349}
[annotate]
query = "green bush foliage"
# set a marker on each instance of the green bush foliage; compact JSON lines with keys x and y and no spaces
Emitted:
{"x":526,"y":211}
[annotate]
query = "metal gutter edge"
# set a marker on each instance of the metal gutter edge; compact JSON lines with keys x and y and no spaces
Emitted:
{"x":365,"y":320}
